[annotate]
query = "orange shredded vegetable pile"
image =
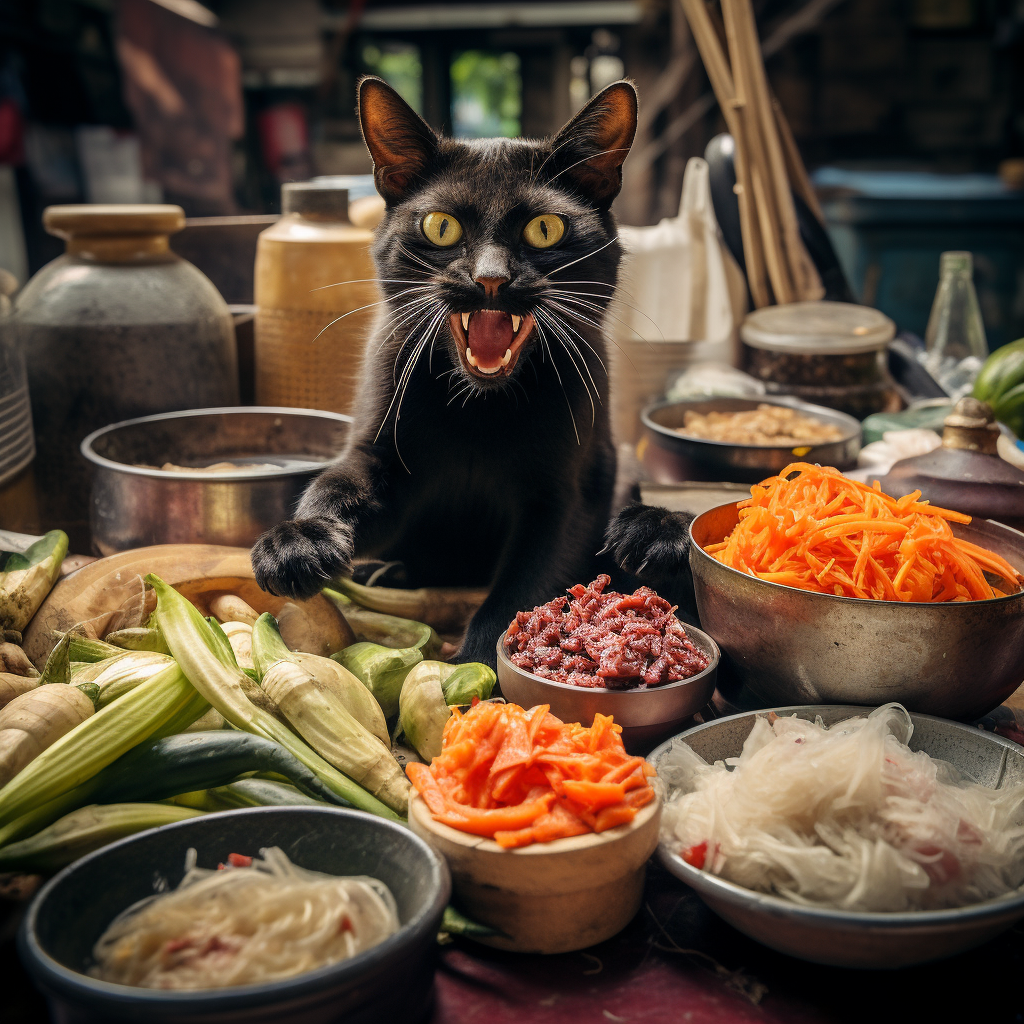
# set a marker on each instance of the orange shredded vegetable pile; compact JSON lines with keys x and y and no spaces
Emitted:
{"x":821,"y":531}
{"x":522,"y":777}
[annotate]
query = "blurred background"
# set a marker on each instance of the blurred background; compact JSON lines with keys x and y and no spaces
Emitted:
{"x":213,"y":106}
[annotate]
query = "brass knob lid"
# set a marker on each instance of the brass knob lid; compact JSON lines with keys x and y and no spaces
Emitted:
{"x":96,"y":219}
{"x":971,"y":427}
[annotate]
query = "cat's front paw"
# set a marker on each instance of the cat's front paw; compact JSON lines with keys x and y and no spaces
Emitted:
{"x":299,"y":557}
{"x":648,"y":541}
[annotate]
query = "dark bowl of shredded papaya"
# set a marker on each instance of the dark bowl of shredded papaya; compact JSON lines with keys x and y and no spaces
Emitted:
{"x":594,"y":651}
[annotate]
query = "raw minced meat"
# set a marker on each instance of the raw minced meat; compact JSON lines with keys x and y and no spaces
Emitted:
{"x":596,"y":639}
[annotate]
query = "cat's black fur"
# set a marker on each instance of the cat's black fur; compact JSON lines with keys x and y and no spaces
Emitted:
{"x":471,"y":480}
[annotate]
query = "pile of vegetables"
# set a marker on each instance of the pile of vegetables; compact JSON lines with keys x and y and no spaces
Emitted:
{"x":1001,"y":384}
{"x":522,"y":777}
{"x":812,"y":528}
{"x":184,"y":715}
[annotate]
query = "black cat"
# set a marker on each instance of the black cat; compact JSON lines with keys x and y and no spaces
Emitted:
{"x":481,"y":452}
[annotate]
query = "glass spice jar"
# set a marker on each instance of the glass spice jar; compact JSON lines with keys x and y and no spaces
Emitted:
{"x":827,"y":353}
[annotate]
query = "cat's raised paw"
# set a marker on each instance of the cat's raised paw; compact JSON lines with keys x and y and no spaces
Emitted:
{"x":650,"y":542}
{"x":299,"y":557}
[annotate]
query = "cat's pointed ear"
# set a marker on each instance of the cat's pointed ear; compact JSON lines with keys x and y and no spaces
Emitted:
{"x":588,"y":152}
{"x":399,"y":140}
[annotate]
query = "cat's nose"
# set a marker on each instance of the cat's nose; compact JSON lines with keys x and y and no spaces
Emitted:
{"x":491,"y":285}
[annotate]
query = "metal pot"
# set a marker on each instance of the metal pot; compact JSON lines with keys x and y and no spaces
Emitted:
{"x":781,"y":645}
{"x":135,"y":503}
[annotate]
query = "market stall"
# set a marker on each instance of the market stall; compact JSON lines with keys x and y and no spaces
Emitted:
{"x":382,"y":651}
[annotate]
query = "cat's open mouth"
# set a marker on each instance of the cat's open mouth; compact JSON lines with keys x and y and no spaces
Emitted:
{"x":490,"y":340}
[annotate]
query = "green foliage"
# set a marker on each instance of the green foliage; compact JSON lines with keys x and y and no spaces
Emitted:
{"x":487,"y":94}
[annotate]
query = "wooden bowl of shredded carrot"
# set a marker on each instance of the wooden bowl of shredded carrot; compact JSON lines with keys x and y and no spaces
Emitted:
{"x":546,"y":825}
{"x":823,"y":589}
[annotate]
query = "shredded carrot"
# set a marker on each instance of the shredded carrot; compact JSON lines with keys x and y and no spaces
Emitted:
{"x":522,"y":777}
{"x":812,"y":528}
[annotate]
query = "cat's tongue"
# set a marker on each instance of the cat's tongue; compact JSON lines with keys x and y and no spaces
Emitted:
{"x":489,"y":336}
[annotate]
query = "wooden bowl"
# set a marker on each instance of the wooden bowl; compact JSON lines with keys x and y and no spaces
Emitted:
{"x":549,"y":897}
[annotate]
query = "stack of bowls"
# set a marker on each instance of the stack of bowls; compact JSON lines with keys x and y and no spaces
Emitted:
{"x":17,"y":442}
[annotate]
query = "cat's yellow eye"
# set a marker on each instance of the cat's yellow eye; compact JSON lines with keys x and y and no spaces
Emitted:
{"x":442,"y":229}
{"x":543,"y":231}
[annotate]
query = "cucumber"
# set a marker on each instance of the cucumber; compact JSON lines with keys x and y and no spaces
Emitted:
{"x":201,"y":760}
{"x":85,"y":830}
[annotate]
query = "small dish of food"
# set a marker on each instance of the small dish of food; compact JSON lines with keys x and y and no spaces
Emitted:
{"x":594,"y":651}
{"x":821,"y":589}
{"x":545,"y":825}
{"x":870,"y":840}
{"x":265,"y":914}
{"x":743,"y":439}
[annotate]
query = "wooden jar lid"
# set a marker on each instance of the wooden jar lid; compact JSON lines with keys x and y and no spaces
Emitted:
{"x":94,"y":219}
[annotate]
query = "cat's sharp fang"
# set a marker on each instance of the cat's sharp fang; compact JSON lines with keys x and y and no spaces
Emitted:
{"x":507,"y":357}
{"x":465,"y":321}
{"x":516,"y":321}
{"x":470,"y":358}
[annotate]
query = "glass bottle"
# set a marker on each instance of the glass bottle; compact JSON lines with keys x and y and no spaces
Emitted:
{"x":955,"y":337}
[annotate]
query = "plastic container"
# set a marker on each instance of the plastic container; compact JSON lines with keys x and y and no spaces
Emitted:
{"x":314,"y":276}
{"x":825,"y":353}
{"x":117,"y":327}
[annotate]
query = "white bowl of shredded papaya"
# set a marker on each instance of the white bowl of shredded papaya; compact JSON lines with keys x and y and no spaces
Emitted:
{"x":822,"y":589}
{"x":546,"y":825}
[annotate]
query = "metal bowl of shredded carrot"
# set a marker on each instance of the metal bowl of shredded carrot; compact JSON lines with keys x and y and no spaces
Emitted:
{"x":820,"y":589}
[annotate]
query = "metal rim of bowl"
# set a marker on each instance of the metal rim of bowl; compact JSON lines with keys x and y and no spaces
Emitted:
{"x":852,"y":425}
{"x":696,"y":551}
{"x":86,"y":447}
{"x":66,"y":980}
{"x":825,"y":916}
{"x":707,"y":638}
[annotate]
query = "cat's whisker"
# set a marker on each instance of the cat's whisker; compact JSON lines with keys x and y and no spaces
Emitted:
{"x":605,"y":311}
{"x":416,"y":258}
{"x":551,"y":355}
{"x":369,"y":305}
{"x":571,"y":347}
{"x":603,"y":152}
{"x":416,"y":310}
{"x":572,"y":263}
{"x":367,"y":280}
{"x":554,"y":308}
{"x":427,"y":317}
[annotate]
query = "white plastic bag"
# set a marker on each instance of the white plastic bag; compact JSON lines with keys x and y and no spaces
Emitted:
{"x":679,"y":282}
{"x":680,"y":301}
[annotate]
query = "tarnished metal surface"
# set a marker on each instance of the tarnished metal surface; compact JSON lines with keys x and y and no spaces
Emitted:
{"x":133,"y":506}
{"x":787,"y":646}
{"x":857,"y":939}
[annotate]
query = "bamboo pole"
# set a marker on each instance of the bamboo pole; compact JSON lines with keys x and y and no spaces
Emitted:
{"x":772,"y":231}
{"x":795,"y":165}
{"x":802,"y":272}
{"x":720,"y":76}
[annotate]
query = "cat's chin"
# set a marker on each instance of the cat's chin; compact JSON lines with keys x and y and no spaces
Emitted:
{"x":489,"y":363}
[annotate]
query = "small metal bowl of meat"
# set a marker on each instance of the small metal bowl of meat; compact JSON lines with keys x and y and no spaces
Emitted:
{"x":815,"y":434}
{"x":646,"y":712}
